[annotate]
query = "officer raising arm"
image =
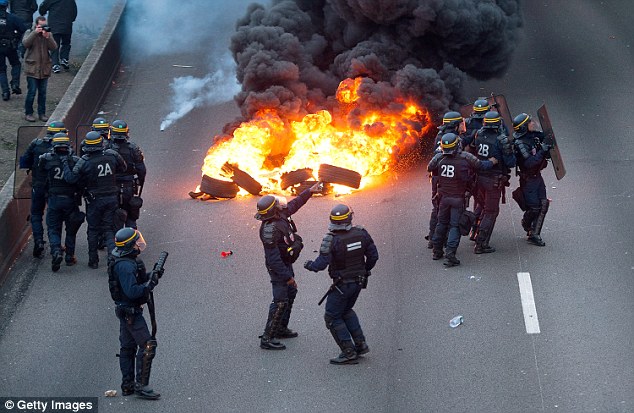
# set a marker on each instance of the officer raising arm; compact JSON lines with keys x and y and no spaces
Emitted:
{"x":130,"y":288}
{"x":282,"y":246}
{"x":349,"y":253}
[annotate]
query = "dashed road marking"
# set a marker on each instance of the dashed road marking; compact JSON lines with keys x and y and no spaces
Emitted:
{"x":528,"y":303}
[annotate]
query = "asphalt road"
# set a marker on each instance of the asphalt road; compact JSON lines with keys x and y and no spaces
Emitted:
{"x":62,"y":337}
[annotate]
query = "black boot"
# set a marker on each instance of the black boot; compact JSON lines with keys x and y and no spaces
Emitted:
{"x":38,"y":248}
{"x":535,"y":239}
{"x":145,"y":392}
{"x":437,"y":254}
{"x":286,"y":332}
{"x":451,"y":260}
{"x":348,"y":354}
{"x":360,"y":345}
{"x":142,"y":388}
{"x":267,"y":339}
{"x":57,"y":260}
{"x":127,"y":388}
{"x":430,"y":244}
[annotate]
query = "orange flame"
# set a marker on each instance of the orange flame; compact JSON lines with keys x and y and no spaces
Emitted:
{"x":366,"y":140}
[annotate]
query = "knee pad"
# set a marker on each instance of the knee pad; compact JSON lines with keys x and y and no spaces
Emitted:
{"x":329,"y":320}
{"x":149,"y":349}
{"x":349,"y":314}
{"x":544,"y":204}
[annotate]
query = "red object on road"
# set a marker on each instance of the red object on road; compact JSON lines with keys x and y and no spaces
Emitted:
{"x":225,"y":254}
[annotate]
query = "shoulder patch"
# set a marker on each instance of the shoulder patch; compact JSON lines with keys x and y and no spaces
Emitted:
{"x":326,"y":243}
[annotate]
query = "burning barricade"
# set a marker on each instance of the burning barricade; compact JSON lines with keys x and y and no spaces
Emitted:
{"x":346,"y":144}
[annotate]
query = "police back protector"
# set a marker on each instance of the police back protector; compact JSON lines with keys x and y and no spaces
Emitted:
{"x":349,"y":257}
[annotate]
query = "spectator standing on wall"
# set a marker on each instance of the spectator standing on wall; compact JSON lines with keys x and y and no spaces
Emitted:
{"x":61,"y":15}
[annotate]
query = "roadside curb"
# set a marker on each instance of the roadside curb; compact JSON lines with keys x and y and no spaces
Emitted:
{"x":78,"y":105}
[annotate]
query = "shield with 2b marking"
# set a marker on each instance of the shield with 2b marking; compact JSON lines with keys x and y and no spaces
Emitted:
{"x":549,"y":138}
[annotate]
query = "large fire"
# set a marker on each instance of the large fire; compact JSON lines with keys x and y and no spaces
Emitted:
{"x":353,"y":136}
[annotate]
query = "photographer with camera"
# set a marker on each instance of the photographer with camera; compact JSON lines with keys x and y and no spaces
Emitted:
{"x":131,"y":287}
{"x":11,"y":29}
{"x":37,"y":67}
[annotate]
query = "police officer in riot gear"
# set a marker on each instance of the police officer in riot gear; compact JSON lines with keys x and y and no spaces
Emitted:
{"x":282,"y":245}
{"x":475,"y":122}
{"x":455,"y":170}
{"x":29,"y":160}
{"x":349,"y":253}
{"x":130,"y":287}
{"x":11,"y":31}
{"x":103,"y":127}
{"x":532,"y":156}
{"x":95,"y":171}
{"x":132,"y":179}
{"x":454,"y":123}
{"x":491,"y":142}
{"x":62,"y":200}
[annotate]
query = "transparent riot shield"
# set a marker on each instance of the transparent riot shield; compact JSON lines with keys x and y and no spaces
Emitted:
{"x":498,"y":103}
{"x":22,"y":177}
{"x":549,"y":138}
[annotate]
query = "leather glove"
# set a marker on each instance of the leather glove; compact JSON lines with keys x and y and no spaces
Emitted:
{"x":546,"y":147}
{"x":291,"y":282}
{"x":153,"y":281}
{"x":308,"y":264}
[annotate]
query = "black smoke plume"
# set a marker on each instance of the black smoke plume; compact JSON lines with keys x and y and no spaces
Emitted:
{"x":292,"y":54}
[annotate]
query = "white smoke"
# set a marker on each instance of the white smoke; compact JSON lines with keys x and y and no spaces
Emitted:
{"x":191,"y":92}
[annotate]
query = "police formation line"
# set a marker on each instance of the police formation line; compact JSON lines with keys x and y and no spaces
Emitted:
{"x":474,"y":158}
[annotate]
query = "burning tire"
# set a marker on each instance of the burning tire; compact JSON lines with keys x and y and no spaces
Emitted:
{"x":218,"y":188}
{"x":243,"y":179}
{"x":336,"y":175}
{"x":295,"y":177}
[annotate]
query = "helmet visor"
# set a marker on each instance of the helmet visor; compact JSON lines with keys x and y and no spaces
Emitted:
{"x":283,"y":203}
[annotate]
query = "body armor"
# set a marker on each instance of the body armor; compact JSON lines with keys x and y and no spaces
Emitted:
{"x":348,"y":261}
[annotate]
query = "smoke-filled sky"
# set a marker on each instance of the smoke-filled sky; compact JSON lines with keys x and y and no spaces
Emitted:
{"x":293,"y":53}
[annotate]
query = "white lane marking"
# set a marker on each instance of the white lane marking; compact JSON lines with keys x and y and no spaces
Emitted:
{"x":528,"y":303}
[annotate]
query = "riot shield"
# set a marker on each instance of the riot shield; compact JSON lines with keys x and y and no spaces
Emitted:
{"x":549,"y":138}
{"x":498,"y":103}
{"x":22,"y":179}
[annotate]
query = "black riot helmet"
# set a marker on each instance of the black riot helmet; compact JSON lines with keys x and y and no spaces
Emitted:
{"x":93,"y":142}
{"x":267,"y":207}
{"x":340,"y":218}
{"x":128,"y":241}
{"x":61,"y":143}
{"x":449,"y":143}
{"x":520,"y":124}
{"x":54,"y":127}
{"x":119,"y":129}
{"x":451,"y":120}
{"x":102,"y":126}
{"x":480,"y":107}
{"x":492,"y":120}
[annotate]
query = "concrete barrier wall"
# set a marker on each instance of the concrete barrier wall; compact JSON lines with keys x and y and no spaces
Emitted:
{"x":79,"y":105}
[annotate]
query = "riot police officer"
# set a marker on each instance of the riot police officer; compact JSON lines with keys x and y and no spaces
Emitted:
{"x":282,"y":246}
{"x":475,"y":122}
{"x":29,"y":160}
{"x":454,"y":123}
{"x":491,"y":142}
{"x":350,"y":254}
{"x":532,"y":156}
{"x":103,"y":127}
{"x":95,"y":171}
{"x":132,"y":179}
{"x":130,"y":288}
{"x":455,"y":170}
{"x":62,"y":200}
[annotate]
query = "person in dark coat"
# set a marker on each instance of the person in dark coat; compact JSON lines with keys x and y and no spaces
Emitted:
{"x":23,"y":9}
{"x":61,"y":15}
{"x":11,"y":30}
